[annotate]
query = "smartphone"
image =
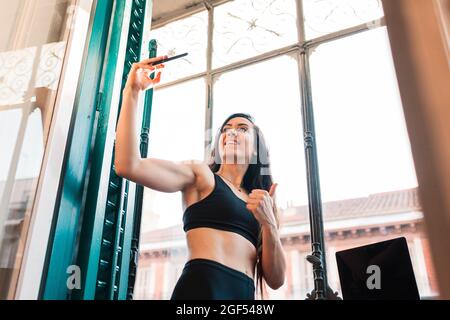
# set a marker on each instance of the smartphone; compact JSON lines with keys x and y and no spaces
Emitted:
{"x":170,"y":58}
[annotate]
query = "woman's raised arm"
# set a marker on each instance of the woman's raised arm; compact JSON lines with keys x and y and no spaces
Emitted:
{"x":158,"y":174}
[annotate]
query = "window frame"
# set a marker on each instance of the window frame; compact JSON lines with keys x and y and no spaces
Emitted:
{"x":302,"y":46}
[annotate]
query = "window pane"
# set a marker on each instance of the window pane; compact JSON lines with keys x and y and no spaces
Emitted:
{"x":177,"y":132}
{"x":240,"y":91}
{"x":368,"y":180}
{"x":327,"y":16}
{"x":9,"y":127}
{"x":244,"y":28}
{"x":276,"y":106}
{"x":184,"y":35}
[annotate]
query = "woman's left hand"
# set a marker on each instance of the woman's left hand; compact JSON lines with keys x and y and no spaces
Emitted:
{"x":261,"y":204}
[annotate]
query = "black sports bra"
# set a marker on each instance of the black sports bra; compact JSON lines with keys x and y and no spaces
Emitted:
{"x":222,"y":209}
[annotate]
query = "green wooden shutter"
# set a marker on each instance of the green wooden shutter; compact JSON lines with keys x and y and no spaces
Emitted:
{"x":103,"y":203}
{"x":62,"y":242}
{"x":140,"y":189}
{"x":105,"y":252}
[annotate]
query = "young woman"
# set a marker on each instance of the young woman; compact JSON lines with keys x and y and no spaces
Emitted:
{"x":230,"y":215}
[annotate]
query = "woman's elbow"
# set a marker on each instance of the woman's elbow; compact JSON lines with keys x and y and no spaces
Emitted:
{"x":120,"y":171}
{"x":276,"y":283}
{"x":123,"y":170}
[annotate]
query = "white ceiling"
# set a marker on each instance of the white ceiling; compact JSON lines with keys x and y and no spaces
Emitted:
{"x":163,"y":8}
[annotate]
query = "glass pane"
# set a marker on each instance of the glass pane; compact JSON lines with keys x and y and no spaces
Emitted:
{"x":233,"y":93}
{"x":177,"y":132}
{"x":31,"y":60}
{"x":9,"y":127}
{"x":327,"y":16}
{"x":244,"y":28}
{"x":276,"y":107}
{"x":185,"y":35}
{"x":368,"y":181}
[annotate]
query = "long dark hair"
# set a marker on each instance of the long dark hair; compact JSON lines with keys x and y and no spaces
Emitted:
{"x":257,"y":176}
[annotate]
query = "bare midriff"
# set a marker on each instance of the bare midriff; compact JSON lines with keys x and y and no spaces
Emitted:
{"x":227,"y":248}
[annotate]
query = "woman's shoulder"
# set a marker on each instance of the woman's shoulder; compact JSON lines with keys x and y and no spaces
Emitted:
{"x":197,"y":166}
{"x":203,"y":185}
{"x":204,"y":177}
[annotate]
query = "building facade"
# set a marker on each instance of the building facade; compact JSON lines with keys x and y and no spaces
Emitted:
{"x":348,"y":224}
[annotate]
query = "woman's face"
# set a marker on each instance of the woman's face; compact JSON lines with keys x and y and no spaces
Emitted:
{"x":236,"y":142}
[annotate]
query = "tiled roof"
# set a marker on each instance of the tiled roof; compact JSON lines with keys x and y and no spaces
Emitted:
{"x":374,"y":205}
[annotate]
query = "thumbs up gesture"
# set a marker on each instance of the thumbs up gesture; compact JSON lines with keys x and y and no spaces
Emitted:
{"x":261,"y":204}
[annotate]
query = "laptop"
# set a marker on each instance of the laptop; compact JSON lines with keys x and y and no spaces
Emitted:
{"x":378,"y":271}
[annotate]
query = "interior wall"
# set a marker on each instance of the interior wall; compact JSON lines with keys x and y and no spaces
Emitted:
{"x":420,"y":52}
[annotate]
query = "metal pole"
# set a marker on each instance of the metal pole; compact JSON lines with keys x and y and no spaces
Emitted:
{"x":209,"y":83}
{"x":321,"y":289}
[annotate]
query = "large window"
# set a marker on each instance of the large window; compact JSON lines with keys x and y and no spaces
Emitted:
{"x":368,"y":183}
{"x":360,"y":125}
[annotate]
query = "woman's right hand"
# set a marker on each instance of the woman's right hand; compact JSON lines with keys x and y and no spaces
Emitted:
{"x":139,"y":75}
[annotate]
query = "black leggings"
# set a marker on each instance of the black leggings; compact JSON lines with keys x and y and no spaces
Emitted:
{"x":204,"y":279}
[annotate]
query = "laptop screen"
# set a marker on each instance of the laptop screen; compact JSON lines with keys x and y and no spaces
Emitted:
{"x":381,"y":270}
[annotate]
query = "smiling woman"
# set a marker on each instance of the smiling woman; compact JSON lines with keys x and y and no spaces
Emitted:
{"x":250,"y":147}
{"x":231,"y":227}
{"x":236,"y":132}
